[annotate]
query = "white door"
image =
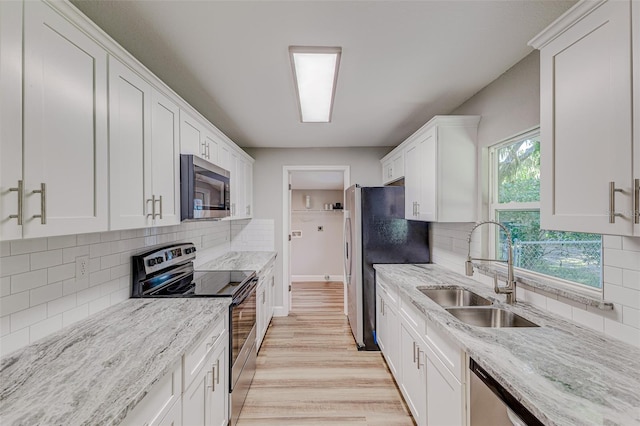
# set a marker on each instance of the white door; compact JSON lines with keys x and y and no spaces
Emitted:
{"x":165,"y":159}
{"x":586,"y":139}
{"x":65,"y":127}
{"x":129,"y":148}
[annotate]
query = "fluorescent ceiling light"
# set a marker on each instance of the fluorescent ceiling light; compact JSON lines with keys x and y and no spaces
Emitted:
{"x":315,"y":71}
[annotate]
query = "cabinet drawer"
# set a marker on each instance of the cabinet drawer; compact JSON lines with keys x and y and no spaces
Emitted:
{"x":157,"y":403}
{"x":412,"y":316}
{"x":194,"y":359}
{"x":448,"y":351}
{"x":387,"y":292}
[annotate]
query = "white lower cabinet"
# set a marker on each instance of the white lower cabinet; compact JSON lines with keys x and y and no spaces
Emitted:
{"x":196,"y":392}
{"x":264,"y":307}
{"x":206,"y":400}
{"x":427,"y":364}
{"x":413,"y":373}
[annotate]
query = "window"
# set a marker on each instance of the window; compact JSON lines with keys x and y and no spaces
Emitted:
{"x":515,"y":202}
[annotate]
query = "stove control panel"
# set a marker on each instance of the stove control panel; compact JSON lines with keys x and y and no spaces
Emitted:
{"x":165,"y":257}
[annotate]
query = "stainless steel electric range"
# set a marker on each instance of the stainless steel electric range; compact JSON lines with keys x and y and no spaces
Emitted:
{"x":167,"y":271}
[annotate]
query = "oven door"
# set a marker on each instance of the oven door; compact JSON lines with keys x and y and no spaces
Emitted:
{"x":204,"y":189}
{"x":243,"y":322}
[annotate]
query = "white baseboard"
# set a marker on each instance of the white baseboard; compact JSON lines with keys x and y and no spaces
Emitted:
{"x":307,"y":278}
{"x":279,"y":311}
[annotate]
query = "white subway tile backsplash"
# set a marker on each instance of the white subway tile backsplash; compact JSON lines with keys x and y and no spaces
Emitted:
{"x":12,"y":265}
{"x":45,"y":294}
{"x":631,"y":279}
{"x":119,"y":296}
{"x":110,"y":287}
{"x":5,"y":248}
{"x":61,"y":242}
{"x":27,"y":317}
{"x":612,"y":241}
{"x":88,"y":295}
{"x":622,"y":331}
{"x":61,"y":273}
{"x":631,"y":243}
{"x":631,"y":316}
{"x":28,"y":280}
{"x":84,"y":239}
{"x":62,"y":304}
{"x":120,"y":271}
{"x":622,"y":259}
{"x":28,"y":246}
{"x":99,"y":304}
{"x":99,"y":277}
{"x":99,"y":249}
{"x":13,"y":341}
{"x":588,"y":319}
{"x":5,"y":286}
{"x":14,"y":303}
{"x":109,"y":236}
{"x":5,"y":325}
{"x":94,"y":265}
{"x":559,"y":308}
{"x":44,"y":328}
{"x":622,"y":295}
{"x":75,"y":315}
{"x":69,"y":254}
{"x":107,"y":262}
{"x":612,"y":275}
{"x":74,"y":286}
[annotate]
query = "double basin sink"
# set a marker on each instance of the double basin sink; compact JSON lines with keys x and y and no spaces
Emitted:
{"x":473,"y":309}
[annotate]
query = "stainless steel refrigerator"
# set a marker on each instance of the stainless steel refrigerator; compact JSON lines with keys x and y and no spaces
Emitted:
{"x":376,"y":232}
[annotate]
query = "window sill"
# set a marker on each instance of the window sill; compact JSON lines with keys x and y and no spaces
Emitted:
{"x":549,"y":285}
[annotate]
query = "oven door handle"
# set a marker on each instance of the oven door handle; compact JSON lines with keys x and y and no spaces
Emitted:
{"x":246,"y":292}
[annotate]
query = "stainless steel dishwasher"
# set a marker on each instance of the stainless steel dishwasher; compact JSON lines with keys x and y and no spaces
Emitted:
{"x":492,"y":405}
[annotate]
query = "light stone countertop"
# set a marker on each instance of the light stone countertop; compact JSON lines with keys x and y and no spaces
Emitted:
{"x":564,"y":373}
{"x":96,"y":371}
{"x":240,"y":261}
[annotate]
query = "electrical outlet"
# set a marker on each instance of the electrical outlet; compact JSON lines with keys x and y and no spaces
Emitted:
{"x":82,"y":267}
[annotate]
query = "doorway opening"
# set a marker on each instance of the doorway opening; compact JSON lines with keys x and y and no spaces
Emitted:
{"x":313,"y":229}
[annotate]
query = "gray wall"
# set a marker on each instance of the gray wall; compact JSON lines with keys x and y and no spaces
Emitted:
{"x":365,"y":169}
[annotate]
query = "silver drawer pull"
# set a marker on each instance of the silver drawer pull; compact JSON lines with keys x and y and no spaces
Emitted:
{"x":154,"y":208}
{"x":20,"y":191}
{"x":152,"y":200}
{"x":612,"y":202}
{"x":636,"y":213}
{"x":43,"y":203}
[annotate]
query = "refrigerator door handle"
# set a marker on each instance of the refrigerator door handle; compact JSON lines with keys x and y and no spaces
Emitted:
{"x":347,"y":253}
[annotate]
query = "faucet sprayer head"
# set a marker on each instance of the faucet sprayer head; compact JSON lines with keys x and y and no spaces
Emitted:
{"x":468,"y":267}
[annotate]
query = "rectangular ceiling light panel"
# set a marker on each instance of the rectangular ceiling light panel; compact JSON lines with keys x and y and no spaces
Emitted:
{"x":315,"y":71}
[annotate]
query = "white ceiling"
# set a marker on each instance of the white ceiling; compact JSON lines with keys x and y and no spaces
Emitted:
{"x":402,"y":61}
{"x":326,"y":180}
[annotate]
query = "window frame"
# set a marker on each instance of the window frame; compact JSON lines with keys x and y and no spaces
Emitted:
{"x":494,"y":207}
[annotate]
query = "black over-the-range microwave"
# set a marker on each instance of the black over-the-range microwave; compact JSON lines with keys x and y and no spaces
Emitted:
{"x":204,"y":189}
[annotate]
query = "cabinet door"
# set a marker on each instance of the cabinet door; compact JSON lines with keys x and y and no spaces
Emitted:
{"x":224,"y":157}
{"x":10,"y":117}
{"x":429,"y":179}
{"x":65,"y":127}
{"x":397,"y":166}
{"x":191,"y":135}
{"x":392,"y":328}
{"x":387,"y":171}
{"x":165,"y":159}
{"x":381,"y":323}
{"x":413,"y":375}
{"x":586,"y":123}
{"x":219,"y":392}
{"x":412,"y":180}
{"x":444,"y":395}
{"x":211,"y":149}
{"x":260,"y":312}
{"x":129,"y":148}
{"x":241,"y":190}
{"x":248,"y":184}
{"x":174,"y":416}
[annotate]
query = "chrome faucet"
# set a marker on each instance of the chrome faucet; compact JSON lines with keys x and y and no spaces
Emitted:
{"x":510,"y":288}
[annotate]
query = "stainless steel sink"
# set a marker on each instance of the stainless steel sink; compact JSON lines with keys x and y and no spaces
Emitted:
{"x":455,"y":296}
{"x":490,"y":317}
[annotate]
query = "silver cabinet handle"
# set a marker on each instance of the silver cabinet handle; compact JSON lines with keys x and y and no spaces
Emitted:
{"x":218,"y":371}
{"x":204,"y":149}
{"x":152,"y":200}
{"x":418,"y":356}
{"x":414,"y":351}
{"x":43,"y":203}
{"x":417,"y":209}
{"x":612,"y":202}
{"x":207,"y":151}
{"x":20,"y":191}
{"x":154,"y":206}
{"x":636,"y":213}
{"x":212,"y":385}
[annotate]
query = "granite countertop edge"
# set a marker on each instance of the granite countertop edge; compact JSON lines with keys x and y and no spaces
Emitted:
{"x":240,"y":261}
{"x":545,"y":368}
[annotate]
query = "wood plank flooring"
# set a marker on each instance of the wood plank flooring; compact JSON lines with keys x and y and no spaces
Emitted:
{"x":310,"y":372}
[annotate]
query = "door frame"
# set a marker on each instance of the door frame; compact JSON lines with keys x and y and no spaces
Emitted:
{"x":286,"y":227}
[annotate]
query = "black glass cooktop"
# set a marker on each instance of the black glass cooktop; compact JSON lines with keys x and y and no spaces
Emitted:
{"x":211,"y":283}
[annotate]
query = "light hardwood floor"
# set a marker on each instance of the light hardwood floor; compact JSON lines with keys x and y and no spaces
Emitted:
{"x":310,"y":372}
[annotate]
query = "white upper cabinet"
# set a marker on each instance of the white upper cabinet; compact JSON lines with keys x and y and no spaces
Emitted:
{"x":63,"y":150}
{"x":586,"y":119}
{"x":440,"y":170}
{"x":143,"y":152}
{"x":392,"y":167}
{"x":196,"y":139}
